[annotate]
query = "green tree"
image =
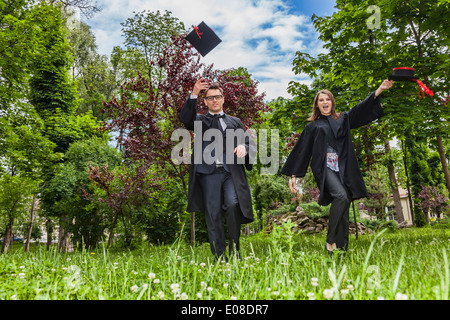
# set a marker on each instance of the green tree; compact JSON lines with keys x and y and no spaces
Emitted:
{"x":96,"y":80}
{"x":20,"y":32}
{"x":269,"y":192}
{"x":419,"y":172}
{"x":84,"y":218}
{"x":53,"y":94}
{"x":25,"y":152}
{"x":14,"y":198}
{"x":52,"y":89}
{"x":128,"y":190}
{"x":149,"y":32}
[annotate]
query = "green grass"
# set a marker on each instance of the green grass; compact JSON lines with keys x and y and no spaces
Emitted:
{"x":405,"y":264}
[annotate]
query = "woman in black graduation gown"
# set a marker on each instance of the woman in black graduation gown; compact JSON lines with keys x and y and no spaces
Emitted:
{"x":326,"y":144}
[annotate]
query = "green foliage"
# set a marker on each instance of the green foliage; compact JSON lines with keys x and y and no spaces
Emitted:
{"x":64,"y":130}
{"x":282,"y":238}
{"x":19,"y":43}
{"x":268,"y":193}
{"x":289,"y":115}
{"x":315,"y":211}
{"x":148,"y":33}
{"x":23,"y":148}
{"x":379,"y":191}
{"x":96,"y":77}
{"x":420,"y":173}
{"x":436,"y":175}
{"x":420,"y":219}
{"x":377,"y":225}
{"x":51,"y":87}
{"x":14,"y":194}
{"x":63,"y":195}
{"x":163,"y":217}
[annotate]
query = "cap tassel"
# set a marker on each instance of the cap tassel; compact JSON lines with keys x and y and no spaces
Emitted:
{"x":423,"y":89}
{"x":199,"y":34}
{"x":421,"y":93}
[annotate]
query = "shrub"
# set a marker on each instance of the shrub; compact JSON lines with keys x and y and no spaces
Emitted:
{"x":315,"y":211}
{"x":419,"y":217}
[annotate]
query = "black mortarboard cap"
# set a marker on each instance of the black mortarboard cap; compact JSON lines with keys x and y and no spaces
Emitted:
{"x":203,"y":39}
{"x":403,"y":74}
{"x":407,"y":74}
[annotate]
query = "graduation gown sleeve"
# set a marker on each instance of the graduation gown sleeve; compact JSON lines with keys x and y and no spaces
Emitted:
{"x":298,"y":160}
{"x":188,"y":113}
{"x":365,"y":112}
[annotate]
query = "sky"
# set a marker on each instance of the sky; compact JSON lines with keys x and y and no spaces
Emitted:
{"x":260,"y":35}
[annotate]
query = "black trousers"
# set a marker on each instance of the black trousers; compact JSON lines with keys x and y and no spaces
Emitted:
{"x":219,"y":196}
{"x":338,"y":223}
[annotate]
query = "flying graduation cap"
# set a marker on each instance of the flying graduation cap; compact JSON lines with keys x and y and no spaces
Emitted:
{"x":407,"y":74}
{"x":203,"y":38}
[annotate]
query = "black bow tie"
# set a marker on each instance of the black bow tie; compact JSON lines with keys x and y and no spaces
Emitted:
{"x":209,"y":115}
{"x":215,"y":120}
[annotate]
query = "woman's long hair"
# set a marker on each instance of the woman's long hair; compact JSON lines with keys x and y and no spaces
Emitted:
{"x":316,"y":111}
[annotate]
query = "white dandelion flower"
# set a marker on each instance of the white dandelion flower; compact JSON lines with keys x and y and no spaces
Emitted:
{"x":401,"y":296}
{"x":328,"y":293}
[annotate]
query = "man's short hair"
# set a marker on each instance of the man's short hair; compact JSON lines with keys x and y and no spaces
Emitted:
{"x":214,"y":86}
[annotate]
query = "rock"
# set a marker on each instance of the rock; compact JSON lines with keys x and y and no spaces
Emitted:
{"x":303,"y":222}
{"x":322,"y":221}
{"x":361,"y":228}
{"x":310,"y":229}
{"x":301,"y":215}
{"x":403,"y":224}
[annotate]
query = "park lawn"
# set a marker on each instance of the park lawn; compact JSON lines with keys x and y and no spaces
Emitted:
{"x":408,"y":264}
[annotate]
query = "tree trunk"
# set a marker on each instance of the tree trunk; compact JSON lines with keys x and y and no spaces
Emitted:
{"x":8,"y":238}
{"x":30,"y":227}
{"x":62,"y":238}
{"x":111,"y":232}
{"x":49,"y":233}
{"x":185,"y":188}
{"x":111,"y":238}
{"x":441,"y":152}
{"x":408,"y":185}
{"x":394,"y":186}
{"x":192,"y":228}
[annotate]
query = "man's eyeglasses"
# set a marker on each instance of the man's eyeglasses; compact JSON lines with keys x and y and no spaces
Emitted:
{"x":211,"y":98}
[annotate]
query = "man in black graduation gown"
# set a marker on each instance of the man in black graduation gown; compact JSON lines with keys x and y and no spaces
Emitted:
{"x":218,"y":182}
